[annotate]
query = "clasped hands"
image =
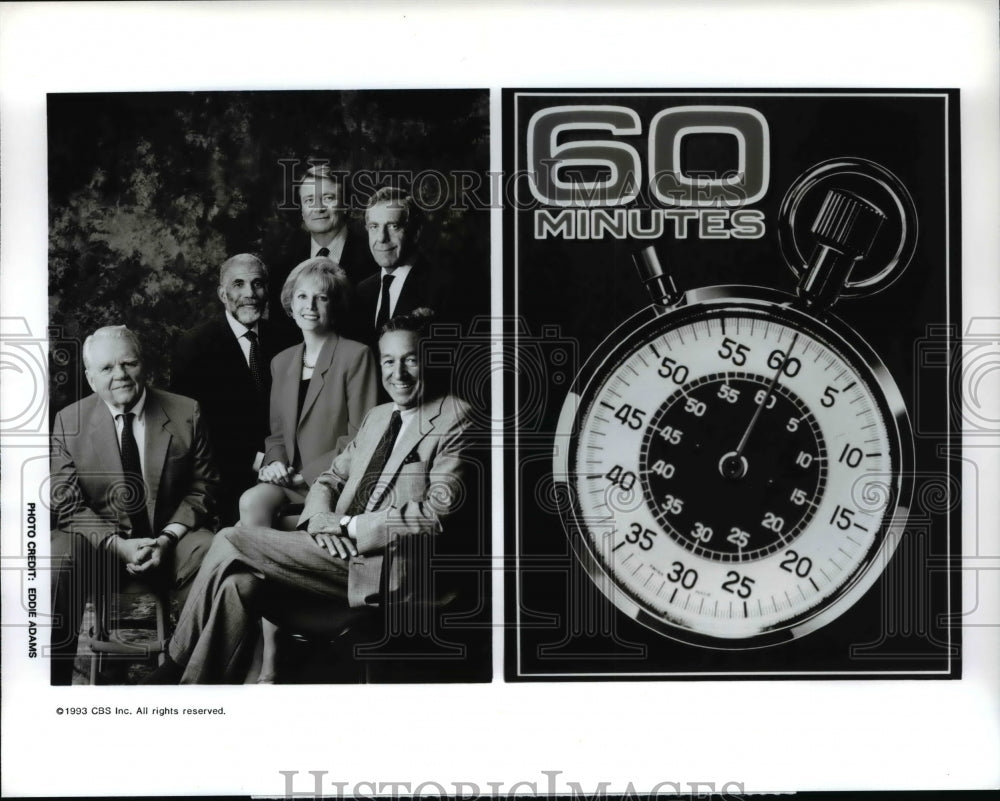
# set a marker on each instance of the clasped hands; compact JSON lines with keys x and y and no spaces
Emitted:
{"x":325,"y":530}
{"x":280,"y":474}
{"x":141,"y":554}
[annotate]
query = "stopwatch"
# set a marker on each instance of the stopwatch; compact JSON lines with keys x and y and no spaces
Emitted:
{"x":734,"y":463}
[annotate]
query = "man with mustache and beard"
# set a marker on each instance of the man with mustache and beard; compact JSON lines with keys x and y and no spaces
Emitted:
{"x":224,"y":364}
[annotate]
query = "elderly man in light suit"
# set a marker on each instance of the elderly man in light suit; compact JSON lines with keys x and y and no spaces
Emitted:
{"x":401,"y":477}
{"x":132,"y":486}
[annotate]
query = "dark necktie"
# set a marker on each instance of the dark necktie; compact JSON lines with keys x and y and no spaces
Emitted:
{"x":383,"y":309}
{"x":132,"y":470}
{"x":323,"y":252}
{"x":375,"y":467}
{"x":258,"y":379}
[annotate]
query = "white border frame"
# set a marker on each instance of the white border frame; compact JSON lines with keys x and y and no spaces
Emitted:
{"x":833,"y":735}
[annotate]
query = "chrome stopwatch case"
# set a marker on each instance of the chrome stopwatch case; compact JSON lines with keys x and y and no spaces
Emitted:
{"x":735,"y":462}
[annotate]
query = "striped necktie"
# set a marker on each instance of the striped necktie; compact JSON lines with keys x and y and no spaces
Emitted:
{"x":376,"y":465}
{"x":258,"y":377}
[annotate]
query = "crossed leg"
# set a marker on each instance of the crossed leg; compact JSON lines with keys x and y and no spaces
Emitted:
{"x":217,"y":630}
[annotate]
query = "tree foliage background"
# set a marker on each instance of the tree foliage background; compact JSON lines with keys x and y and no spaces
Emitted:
{"x":149,"y":193}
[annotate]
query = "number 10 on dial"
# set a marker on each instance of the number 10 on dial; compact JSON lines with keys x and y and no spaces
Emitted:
{"x":736,"y":465}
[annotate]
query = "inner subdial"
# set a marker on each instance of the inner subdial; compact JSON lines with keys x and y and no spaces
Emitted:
{"x":720,"y":500}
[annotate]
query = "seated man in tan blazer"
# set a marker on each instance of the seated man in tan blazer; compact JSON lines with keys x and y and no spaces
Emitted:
{"x":401,"y":477}
{"x":132,"y":487}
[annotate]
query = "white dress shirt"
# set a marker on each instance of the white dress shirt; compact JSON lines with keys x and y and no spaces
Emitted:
{"x":336,"y":246}
{"x":239,"y":331}
{"x":138,"y":427}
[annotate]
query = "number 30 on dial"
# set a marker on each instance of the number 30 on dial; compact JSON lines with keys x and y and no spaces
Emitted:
{"x":735,"y":469}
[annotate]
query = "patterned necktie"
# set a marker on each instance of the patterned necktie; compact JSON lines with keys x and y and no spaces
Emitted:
{"x":375,"y":467}
{"x":323,"y":252}
{"x":258,"y":379}
{"x":383,"y":309}
{"x":132,"y":470}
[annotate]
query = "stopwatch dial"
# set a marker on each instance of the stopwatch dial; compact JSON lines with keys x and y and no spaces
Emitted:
{"x":707,"y":496}
{"x":734,"y":469}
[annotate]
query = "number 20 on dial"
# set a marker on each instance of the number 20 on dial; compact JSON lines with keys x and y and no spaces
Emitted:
{"x":736,"y":460}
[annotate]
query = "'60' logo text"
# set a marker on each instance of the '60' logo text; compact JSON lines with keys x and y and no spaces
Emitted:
{"x":565,"y":170}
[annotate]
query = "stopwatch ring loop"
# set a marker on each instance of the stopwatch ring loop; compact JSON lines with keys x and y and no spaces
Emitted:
{"x":873,"y":171}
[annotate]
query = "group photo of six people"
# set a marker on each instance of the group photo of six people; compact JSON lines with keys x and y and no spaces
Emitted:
{"x":301,"y":439}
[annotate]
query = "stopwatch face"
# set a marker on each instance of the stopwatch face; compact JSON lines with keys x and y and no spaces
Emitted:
{"x":736,"y":470}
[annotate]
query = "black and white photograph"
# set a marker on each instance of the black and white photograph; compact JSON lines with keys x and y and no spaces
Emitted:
{"x":263,"y":450}
{"x":555,"y":399}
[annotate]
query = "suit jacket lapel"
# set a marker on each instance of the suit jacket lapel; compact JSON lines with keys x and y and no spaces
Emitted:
{"x":289,"y":398}
{"x":412,"y":291}
{"x":323,"y":363}
{"x":268,"y":344}
{"x":104,"y":438}
{"x":231,"y":352}
{"x":104,"y":444}
{"x":158,"y":436}
{"x":419,"y":427}
{"x":364,"y":446}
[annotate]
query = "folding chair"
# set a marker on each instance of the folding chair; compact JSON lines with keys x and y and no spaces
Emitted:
{"x":107,"y":619}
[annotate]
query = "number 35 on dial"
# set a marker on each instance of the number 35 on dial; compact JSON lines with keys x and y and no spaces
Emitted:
{"x":735,"y":469}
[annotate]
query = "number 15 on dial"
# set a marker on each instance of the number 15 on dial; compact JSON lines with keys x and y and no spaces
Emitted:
{"x":736,"y":461}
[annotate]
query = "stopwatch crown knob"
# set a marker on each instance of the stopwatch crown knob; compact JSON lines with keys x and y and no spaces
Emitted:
{"x":844,"y":229}
{"x":847,"y":223}
{"x":658,"y":282}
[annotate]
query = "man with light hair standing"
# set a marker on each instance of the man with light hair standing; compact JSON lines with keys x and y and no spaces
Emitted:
{"x":323,"y":205}
{"x":132,"y":486}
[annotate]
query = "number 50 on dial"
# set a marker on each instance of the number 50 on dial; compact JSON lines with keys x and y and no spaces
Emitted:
{"x":737,"y":470}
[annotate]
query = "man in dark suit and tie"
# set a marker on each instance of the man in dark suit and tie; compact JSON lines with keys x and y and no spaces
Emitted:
{"x":401,"y":477}
{"x":405,"y":280}
{"x":225,"y":364}
{"x":324,"y":209}
{"x":132,"y":485}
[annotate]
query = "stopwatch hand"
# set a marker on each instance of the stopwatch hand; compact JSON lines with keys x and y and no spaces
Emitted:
{"x":735,"y":460}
